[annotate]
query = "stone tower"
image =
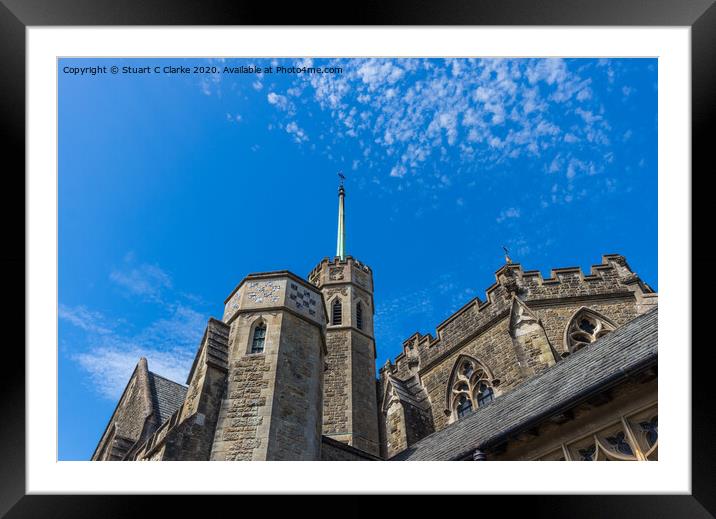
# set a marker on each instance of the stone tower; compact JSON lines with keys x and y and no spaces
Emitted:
{"x":349,"y":399}
{"x":273,"y":401}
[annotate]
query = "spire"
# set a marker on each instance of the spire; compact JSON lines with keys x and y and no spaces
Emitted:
{"x":341,"y":241}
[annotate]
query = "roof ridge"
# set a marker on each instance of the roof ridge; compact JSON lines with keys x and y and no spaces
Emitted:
{"x":167,"y":379}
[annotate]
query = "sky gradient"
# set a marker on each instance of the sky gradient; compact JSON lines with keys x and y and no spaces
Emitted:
{"x":173,"y":187}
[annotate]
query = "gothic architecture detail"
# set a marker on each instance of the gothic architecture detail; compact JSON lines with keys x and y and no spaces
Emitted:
{"x":471,"y":386}
{"x":585,"y":327}
{"x":562,"y":367}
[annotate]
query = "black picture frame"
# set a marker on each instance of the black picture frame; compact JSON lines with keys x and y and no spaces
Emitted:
{"x":17,"y":15}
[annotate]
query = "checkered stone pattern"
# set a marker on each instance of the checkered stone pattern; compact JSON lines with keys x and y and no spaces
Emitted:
{"x":263,"y":292}
{"x":302,"y":298}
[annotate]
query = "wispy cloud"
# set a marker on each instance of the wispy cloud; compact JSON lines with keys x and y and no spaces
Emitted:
{"x":145,"y":280}
{"x":404,"y":113}
{"x":169,"y":344}
{"x":112,"y":348}
{"x":512,"y":212}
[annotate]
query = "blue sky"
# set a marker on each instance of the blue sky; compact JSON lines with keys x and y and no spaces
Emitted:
{"x":174,"y":187}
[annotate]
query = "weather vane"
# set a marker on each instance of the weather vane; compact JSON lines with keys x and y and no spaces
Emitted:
{"x":342,"y":177}
{"x":507,"y":254}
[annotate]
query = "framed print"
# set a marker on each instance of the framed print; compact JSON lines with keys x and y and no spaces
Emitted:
{"x":508,"y":192}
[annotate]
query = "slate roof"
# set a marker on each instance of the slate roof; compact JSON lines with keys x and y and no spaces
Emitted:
{"x":410,"y":391}
{"x":628,"y":349}
{"x":167,"y":396}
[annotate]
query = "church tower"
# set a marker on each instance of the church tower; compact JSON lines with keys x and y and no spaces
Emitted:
{"x":273,"y":395}
{"x":349,"y":386}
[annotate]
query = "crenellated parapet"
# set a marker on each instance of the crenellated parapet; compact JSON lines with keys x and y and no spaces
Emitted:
{"x":612,"y":277}
{"x":337,"y":271}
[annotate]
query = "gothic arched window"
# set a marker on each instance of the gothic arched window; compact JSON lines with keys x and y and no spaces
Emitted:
{"x":359,"y":315}
{"x":471,"y":387}
{"x":464,"y":406}
{"x":484,"y":394}
{"x":337,"y":312}
{"x":259,"y":338}
{"x":585,"y":327}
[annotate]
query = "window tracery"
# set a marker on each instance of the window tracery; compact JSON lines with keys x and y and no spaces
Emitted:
{"x":632,"y":438}
{"x":584,"y":328}
{"x":471,"y":387}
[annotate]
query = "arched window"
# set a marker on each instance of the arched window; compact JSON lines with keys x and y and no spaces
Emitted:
{"x":464,"y":406}
{"x":471,"y":387}
{"x":585,"y":327}
{"x":336,"y":312}
{"x":259,"y":338}
{"x":359,"y":315}
{"x":484,"y":394}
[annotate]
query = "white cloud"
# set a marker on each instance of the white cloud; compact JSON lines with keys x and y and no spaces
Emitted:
{"x":377,"y":72}
{"x":277,"y":100}
{"x":298,"y":134}
{"x":110,"y":368}
{"x":411,"y":117}
{"x":144,"y":280}
{"x":169,"y":344}
{"x":112,"y":347}
{"x":512,"y":212}
{"x":83,"y":318}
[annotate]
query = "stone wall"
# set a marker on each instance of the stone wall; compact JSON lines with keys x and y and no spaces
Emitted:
{"x":395,"y":430}
{"x":297,"y":409}
{"x":272,"y":408}
{"x":350,"y":410}
{"x":243,"y":426}
{"x":131,"y":420}
{"x":364,"y":405}
{"x":337,"y":417}
{"x":484,"y":332}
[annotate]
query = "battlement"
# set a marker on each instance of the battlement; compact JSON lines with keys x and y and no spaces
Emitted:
{"x":612,"y":276}
{"x":336,"y":261}
{"x":336,"y":270}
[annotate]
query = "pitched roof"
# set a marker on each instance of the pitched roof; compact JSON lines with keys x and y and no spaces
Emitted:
{"x":409,"y":391}
{"x":167,"y":396}
{"x":592,"y":369}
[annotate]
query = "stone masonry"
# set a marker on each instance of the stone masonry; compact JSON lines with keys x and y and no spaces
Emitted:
{"x":350,"y":408}
{"x":309,"y":391}
{"x":519,"y":331}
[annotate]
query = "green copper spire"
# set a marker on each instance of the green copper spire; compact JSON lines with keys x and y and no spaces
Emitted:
{"x":341,"y":242}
